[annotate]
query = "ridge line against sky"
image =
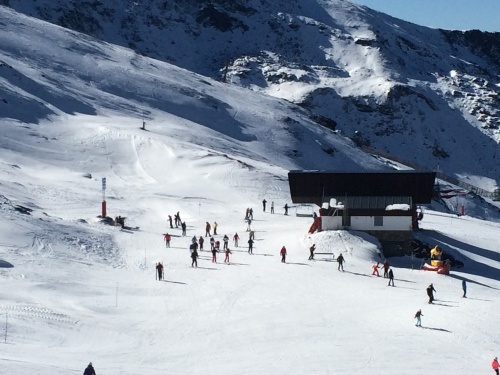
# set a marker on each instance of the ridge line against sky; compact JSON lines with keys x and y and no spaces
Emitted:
{"x":442,"y":14}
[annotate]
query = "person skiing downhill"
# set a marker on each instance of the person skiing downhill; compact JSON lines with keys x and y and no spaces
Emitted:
{"x":167,"y":238}
{"x":494,"y":365}
{"x":375,"y":268}
{"x":89,"y":370}
{"x":235,"y":239}
{"x":418,"y":314}
{"x":430,"y":293}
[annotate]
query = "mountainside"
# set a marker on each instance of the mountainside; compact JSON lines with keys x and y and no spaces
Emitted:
{"x":414,"y":92}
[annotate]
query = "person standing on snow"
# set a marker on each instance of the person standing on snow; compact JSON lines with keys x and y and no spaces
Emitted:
{"x":311,"y":250}
{"x":170,"y":221}
{"x":250,"y":213}
{"x":194,"y":257}
{"x":183,"y":225}
{"x":207,"y":229}
{"x":212,"y":243}
{"x":272,"y":207}
{"x":225,"y":239}
{"x":200,"y":242}
{"x":283,"y":254}
{"x":264,"y":205}
{"x":286,"y":208}
{"x":249,"y":221}
{"x":385,"y":266}
{"x":194,"y":240}
{"x":167,"y":238}
{"x":215,"y":228}
{"x":430,"y":293}
{"x":494,"y":365}
{"x":418,"y":314}
{"x":250,"y":246}
{"x":341,"y":261}
{"x":391,"y":278}
{"x":226,"y":259}
{"x":214,"y":255}
{"x":159,"y":269}
{"x":89,"y":370}
{"x":235,"y":239}
{"x":464,"y":288}
{"x":375,"y":268}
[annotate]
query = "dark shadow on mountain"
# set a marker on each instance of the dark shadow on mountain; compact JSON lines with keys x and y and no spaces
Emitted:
{"x":5,"y":264}
{"x":436,"y":329}
{"x":470,"y":281}
{"x":472,"y":267}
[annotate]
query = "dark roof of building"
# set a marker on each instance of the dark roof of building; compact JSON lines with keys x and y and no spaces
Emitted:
{"x":313,"y":186}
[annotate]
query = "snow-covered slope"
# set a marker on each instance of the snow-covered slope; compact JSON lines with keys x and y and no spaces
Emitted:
{"x":74,"y":289}
{"x":426,"y":95}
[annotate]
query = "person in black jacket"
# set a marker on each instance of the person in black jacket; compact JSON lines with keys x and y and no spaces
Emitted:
{"x":391,"y":277}
{"x":341,"y":261}
{"x":89,"y":370}
{"x":194,"y":257}
{"x":430,"y":293}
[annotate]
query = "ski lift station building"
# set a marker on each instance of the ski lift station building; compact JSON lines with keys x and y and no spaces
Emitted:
{"x":383,"y":204}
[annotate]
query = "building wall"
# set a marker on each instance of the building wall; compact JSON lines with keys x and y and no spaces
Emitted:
{"x":397,"y":223}
{"x":331,"y":222}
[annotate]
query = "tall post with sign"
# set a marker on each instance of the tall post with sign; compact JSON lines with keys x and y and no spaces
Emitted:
{"x":104,"y":197}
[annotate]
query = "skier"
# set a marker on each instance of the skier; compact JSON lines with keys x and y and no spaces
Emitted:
{"x":246,"y":213}
{"x":217,"y":246}
{"x":264,"y":205}
{"x":430,"y":293}
{"x":214,"y":255}
{"x":391,"y":278}
{"x":418,"y":314}
{"x":375,"y":268}
{"x":89,"y":370}
{"x":272,"y":207}
{"x":250,"y":213}
{"x":226,"y":259}
{"x":494,"y":365}
{"x":464,"y":288}
{"x":194,"y":240}
{"x":250,"y":246}
{"x":215,"y":228}
{"x":286,"y":208}
{"x":385,"y":266}
{"x":249,"y":221}
{"x":341,"y":261}
{"x":212,"y":243}
{"x":170,"y":221}
{"x":183,"y":225}
{"x":251,"y":235}
{"x":225,"y":239}
{"x":207,"y":229}
{"x":200,"y":242}
{"x":235,"y":239}
{"x":311,"y":249}
{"x":159,"y":269}
{"x":194,"y":257}
{"x":167,"y":238}
{"x":177,"y":219}
{"x":283,"y":254}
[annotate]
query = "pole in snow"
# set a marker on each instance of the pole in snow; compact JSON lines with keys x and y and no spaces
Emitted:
{"x":103,"y":206}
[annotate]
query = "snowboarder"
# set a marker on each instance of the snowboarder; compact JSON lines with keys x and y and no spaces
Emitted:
{"x":159,"y":269}
{"x":286,"y":208}
{"x":283,"y":254}
{"x":272,"y":207}
{"x":207,"y":229}
{"x":170,"y":221}
{"x":225,"y":239}
{"x":89,"y":370}
{"x":167,"y":238}
{"x":418,"y":314}
{"x":391,"y":278}
{"x":250,"y":246}
{"x":235,"y":239}
{"x":430,"y":293}
{"x":464,"y":288}
{"x":264,"y":205}
{"x":340,"y":260}
{"x":194,"y":257}
{"x":200,"y":242}
{"x":311,"y":250}
{"x":226,"y":259}
{"x":215,"y":228}
{"x":212,"y":243}
{"x":385,"y":266}
{"x":494,"y":365}
{"x":183,"y":225}
{"x":375,"y":268}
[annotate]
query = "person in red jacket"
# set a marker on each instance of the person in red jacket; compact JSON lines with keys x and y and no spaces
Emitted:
{"x":494,"y":365}
{"x":375,"y":268}
{"x":283,"y":254}
{"x":226,"y":259}
{"x":200,"y":242}
{"x":235,"y":239}
{"x":167,"y":239}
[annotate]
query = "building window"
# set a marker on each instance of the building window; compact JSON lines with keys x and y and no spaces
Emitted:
{"x":378,"y":221}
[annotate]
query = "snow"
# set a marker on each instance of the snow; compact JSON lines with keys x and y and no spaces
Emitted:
{"x":75,"y":289}
{"x":401,"y":207}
